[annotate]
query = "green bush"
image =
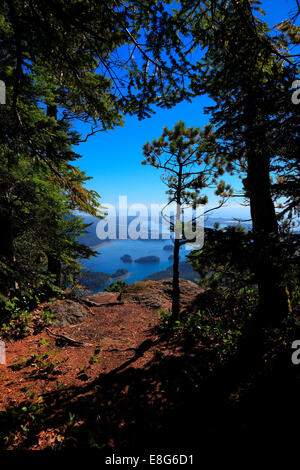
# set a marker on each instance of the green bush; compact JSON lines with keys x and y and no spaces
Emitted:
{"x":21,"y":322}
{"x":117,"y":286}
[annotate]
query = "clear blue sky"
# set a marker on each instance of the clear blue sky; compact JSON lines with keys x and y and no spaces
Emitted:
{"x":113,"y":158}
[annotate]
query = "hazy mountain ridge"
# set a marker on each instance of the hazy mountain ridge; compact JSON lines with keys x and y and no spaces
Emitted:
{"x":91,"y":239}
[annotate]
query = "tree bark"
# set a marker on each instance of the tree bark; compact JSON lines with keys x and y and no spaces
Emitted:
{"x":267,"y":264}
{"x":54,"y":263}
{"x":54,"y":267}
{"x":7,"y":281}
{"x":6,"y":238}
{"x":175,"y":283}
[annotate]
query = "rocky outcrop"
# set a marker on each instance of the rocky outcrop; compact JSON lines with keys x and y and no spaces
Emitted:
{"x":158,"y":294}
{"x":68,"y":312}
{"x":153,"y":294}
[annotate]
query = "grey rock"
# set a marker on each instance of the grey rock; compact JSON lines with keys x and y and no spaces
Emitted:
{"x":68,"y":312}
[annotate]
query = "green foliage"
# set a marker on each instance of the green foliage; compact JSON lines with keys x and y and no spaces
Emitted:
{"x":94,"y":358}
{"x":223,"y":319}
{"x":75,"y":291}
{"x":165,"y":320}
{"x":226,"y":258}
{"x":184,"y":156}
{"x":117,"y":286}
{"x":26,"y":417}
{"x":295,"y":301}
{"x":22,"y":321}
{"x":42,"y":364}
{"x":40,"y":183}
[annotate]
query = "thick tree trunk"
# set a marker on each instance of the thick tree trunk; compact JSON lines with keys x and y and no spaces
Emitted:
{"x":272,"y":294}
{"x":54,"y":267}
{"x":267,"y":264}
{"x":6,"y":241}
{"x":54,"y":263}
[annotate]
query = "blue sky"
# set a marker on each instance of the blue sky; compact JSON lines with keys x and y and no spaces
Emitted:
{"x":113,"y":158}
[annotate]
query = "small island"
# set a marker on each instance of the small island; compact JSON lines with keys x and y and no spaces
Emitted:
{"x":171,"y":258}
{"x":96,"y":280}
{"x":126,"y":259}
{"x":185,"y":272}
{"x":119,"y":273}
{"x":147,"y":259}
{"x":168,"y":248}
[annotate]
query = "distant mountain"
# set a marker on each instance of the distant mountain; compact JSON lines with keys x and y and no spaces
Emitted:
{"x":91,"y":239}
{"x":209,"y":222}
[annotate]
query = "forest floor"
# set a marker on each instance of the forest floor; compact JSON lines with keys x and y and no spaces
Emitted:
{"x":127,"y":385}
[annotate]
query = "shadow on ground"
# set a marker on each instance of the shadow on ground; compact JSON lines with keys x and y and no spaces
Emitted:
{"x":174,"y":402}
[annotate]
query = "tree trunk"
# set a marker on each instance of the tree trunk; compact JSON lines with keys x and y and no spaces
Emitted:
{"x":54,"y":263}
{"x":267,"y":264}
{"x":54,"y":267}
{"x":273,"y":298}
{"x":177,"y":234}
{"x":175,"y":283}
{"x":6,"y":240}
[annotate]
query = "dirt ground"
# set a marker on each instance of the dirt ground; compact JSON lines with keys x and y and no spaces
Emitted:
{"x":124,"y":385}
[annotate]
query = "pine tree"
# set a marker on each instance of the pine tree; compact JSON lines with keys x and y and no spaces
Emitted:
{"x":184,"y":155}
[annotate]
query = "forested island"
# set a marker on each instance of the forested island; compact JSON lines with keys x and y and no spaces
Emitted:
{"x":126,"y":259}
{"x":94,"y":281}
{"x":185,"y":271}
{"x":147,"y":259}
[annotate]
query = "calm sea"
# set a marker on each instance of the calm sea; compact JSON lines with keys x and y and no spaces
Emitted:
{"x":110,"y":253}
{"x":108,"y":260}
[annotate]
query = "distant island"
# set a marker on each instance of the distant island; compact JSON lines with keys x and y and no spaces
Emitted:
{"x":147,"y":259}
{"x":171,"y":258}
{"x":185,"y":271}
{"x":168,"y":247}
{"x":126,"y":259}
{"x":95,"y":280}
{"x":119,"y":273}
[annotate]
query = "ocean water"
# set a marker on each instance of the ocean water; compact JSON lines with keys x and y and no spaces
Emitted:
{"x":110,"y":253}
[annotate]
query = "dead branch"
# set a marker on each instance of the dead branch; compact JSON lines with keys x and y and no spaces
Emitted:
{"x":96,"y":304}
{"x":68,"y":340}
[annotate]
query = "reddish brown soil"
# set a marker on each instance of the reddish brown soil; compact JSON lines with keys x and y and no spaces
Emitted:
{"x":143,"y":390}
{"x":118,"y":330}
{"x":125,"y":333}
